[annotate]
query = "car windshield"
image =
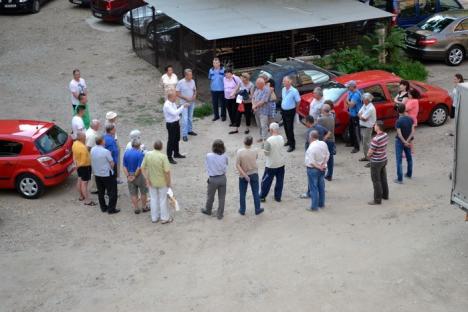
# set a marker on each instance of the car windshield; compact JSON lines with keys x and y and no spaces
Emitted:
{"x":51,"y":140}
{"x":436,"y":23}
{"x":333,"y":91}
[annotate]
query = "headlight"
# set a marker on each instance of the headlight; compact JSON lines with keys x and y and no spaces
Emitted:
{"x":22,"y":1}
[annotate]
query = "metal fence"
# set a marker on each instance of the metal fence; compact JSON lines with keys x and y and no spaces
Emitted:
{"x":142,"y":21}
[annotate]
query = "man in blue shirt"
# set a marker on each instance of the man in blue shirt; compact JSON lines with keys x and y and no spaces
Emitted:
{"x":216,"y":75}
{"x":132,"y":160}
{"x":354,"y":103}
{"x":290,"y":100}
{"x":405,"y":134}
{"x":111,"y":145}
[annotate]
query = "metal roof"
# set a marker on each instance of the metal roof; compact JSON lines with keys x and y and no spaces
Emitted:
{"x":217,"y":19}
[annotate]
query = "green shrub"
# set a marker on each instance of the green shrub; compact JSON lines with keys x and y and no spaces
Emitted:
{"x":203,"y":110}
{"x":412,"y":70}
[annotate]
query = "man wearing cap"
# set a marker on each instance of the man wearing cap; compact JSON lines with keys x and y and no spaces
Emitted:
{"x":367,"y":118}
{"x":111,"y":118}
{"x":110,"y":143}
{"x":353,"y":103}
{"x":132,"y":160}
{"x":289,"y":102}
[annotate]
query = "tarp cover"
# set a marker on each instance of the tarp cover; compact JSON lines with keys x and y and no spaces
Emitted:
{"x":217,"y":19}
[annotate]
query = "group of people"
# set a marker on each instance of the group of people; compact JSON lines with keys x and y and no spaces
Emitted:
{"x":232,"y":97}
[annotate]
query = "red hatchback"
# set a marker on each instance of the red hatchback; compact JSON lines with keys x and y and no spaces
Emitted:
{"x":434,"y":105}
{"x":33,"y":154}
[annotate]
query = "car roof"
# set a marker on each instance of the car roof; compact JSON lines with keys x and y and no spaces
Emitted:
{"x":288,"y":66}
{"x":25,"y":129}
{"x":369,"y":76}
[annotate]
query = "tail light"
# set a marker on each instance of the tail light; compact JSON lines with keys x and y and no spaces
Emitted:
{"x":108,"y":5}
{"x":46,"y":161}
{"x":427,"y":41}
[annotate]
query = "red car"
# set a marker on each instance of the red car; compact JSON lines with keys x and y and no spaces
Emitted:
{"x":113,"y":10}
{"x":33,"y":154}
{"x":434,"y":105}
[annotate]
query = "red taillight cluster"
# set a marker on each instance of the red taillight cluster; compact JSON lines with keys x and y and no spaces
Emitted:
{"x":108,"y":5}
{"x":427,"y":41}
{"x":46,"y":161}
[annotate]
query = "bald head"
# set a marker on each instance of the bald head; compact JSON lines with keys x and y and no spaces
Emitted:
{"x":287,"y":81}
{"x":260,"y":83}
{"x":95,"y":124}
{"x":81,"y":136}
{"x":314,"y":135}
{"x":172,"y":95}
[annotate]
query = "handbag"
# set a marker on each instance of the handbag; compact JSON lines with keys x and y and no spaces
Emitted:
{"x":241,"y":107}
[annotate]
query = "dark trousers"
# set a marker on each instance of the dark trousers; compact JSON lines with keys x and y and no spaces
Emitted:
{"x":331,"y":160}
{"x":379,"y":180}
{"x":243,"y":184}
{"x":247,"y":113}
{"x":107,"y":185}
{"x":400,"y":148}
{"x":173,"y":138}
{"x":354,"y":132}
{"x":231,"y":107}
{"x":217,"y":100}
{"x":267,"y":180}
{"x":288,"y":122}
{"x":217,"y":183}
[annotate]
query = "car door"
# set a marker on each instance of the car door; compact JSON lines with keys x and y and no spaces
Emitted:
{"x":309,"y":79}
{"x":460,"y":33}
{"x":9,"y":151}
{"x":383,"y":104}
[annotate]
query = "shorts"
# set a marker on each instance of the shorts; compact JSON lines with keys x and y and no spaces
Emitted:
{"x":84,"y":173}
{"x":138,"y":184}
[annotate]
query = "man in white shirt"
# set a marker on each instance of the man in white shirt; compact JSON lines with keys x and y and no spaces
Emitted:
{"x":316,"y":158}
{"x":317,"y":103}
{"x":92,"y":133}
{"x":274,"y":164}
{"x":367,"y":118}
{"x":77,"y":122}
{"x":77,"y":86}
{"x":168,"y":80}
{"x":172,"y":117}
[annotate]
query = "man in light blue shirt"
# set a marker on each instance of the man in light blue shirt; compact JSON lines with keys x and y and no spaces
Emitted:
{"x":187,"y":93}
{"x":290,"y":100}
{"x":216,"y":75}
{"x":354,"y":103}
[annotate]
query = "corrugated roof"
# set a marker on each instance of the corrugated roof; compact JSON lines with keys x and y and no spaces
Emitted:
{"x":217,"y":19}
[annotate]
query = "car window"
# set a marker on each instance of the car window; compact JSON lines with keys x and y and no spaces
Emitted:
{"x":407,"y":8}
{"x":10,"y":148}
{"x":462,"y":26}
{"x":51,"y":140}
{"x":393,"y":88}
{"x":309,"y":76}
{"x":445,"y":5}
{"x":436,"y":23}
{"x":427,"y":7}
{"x":333,"y":91}
{"x":377,"y":92}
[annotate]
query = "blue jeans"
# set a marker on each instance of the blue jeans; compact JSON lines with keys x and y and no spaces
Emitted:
{"x":187,"y":119}
{"x":331,"y":160}
{"x":267,"y":180}
{"x":243,"y":184}
{"x":217,"y":100}
{"x":399,"y":149}
{"x":316,"y":187}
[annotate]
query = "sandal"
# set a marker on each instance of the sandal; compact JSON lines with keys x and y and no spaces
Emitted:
{"x":233,"y":132}
{"x":91,"y":203}
{"x":81,"y":198}
{"x":167,"y":221}
{"x":137,"y":211}
{"x":247,"y":131}
{"x":146,"y":209}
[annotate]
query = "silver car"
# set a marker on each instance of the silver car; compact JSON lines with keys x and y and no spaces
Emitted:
{"x":142,"y":19}
{"x":443,"y":36}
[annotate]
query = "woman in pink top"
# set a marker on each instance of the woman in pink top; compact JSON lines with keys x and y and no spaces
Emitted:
{"x":231,"y":82}
{"x":412,"y":106}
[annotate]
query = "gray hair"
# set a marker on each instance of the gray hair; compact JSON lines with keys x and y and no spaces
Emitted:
{"x":318,"y":91}
{"x":187,"y":70}
{"x":95,"y":124}
{"x":314,"y":135}
{"x":288,"y":78}
{"x":99,"y":139}
{"x":367,"y":97}
{"x":109,"y":127}
{"x":274,"y":126}
{"x":136,"y":143}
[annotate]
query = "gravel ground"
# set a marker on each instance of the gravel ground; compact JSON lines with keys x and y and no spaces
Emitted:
{"x":410,"y":254}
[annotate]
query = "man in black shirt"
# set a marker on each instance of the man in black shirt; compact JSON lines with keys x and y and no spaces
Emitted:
{"x":405,"y":131}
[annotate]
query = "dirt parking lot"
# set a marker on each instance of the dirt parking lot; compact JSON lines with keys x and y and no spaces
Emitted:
{"x":410,"y":254}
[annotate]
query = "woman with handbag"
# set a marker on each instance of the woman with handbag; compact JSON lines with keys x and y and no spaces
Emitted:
{"x":244,"y":93}
{"x":230,"y":82}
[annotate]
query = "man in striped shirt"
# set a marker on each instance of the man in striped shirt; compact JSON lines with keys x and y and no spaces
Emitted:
{"x":378,"y":159}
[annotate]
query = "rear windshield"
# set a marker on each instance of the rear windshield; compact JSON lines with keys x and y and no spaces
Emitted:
{"x":436,"y":23}
{"x":51,"y":140}
{"x":333,"y":91}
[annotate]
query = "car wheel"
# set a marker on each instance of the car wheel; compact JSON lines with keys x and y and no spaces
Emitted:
{"x":455,"y":55}
{"x":29,"y":186}
{"x":438,"y":116}
{"x":36,"y":6}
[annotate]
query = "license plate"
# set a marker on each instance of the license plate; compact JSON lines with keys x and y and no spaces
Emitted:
{"x":98,"y":14}
{"x":71,"y":168}
{"x":10,"y":5}
{"x":411,"y":40}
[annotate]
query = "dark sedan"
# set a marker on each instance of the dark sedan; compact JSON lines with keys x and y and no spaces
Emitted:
{"x":31,"y":6}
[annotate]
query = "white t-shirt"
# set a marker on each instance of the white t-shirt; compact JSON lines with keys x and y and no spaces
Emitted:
{"x":316,"y":107}
{"x":79,"y":87}
{"x":77,"y":126}
{"x":91,"y":135}
{"x":169,"y":82}
{"x":274,"y":152}
{"x":368,"y":111}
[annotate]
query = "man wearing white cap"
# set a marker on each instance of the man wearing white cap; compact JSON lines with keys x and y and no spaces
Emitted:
{"x":354,"y":103}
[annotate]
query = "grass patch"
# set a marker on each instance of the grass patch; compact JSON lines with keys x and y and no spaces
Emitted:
{"x":162,"y":100}
{"x":203,"y":110}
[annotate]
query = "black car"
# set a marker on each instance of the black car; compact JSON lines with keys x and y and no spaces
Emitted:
{"x":32,"y":6}
{"x":305,"y":76}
